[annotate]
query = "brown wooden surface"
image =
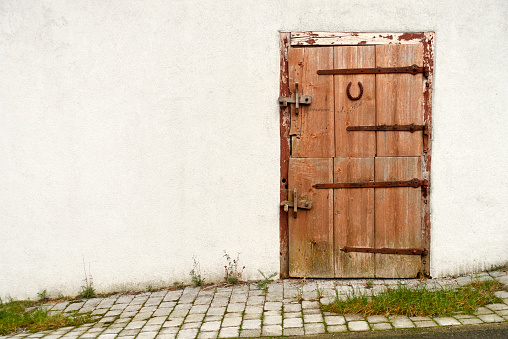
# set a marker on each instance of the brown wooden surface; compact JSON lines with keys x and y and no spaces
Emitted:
{"x":284,"y":118}
{"x":398,"y":217}
{"x":353,"y":218}
{"x":403,"y":221}
{"x":360,"y":112}
{"x":317,"y":119}
{"x":399,"y":100}
{"x":311,"y":233}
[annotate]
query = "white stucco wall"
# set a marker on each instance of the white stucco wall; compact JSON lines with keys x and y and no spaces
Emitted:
{"x":136,"y":135}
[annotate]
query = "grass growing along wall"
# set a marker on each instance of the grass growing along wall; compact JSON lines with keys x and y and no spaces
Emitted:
{"x":420,"y":301}
{"x":14,"y":316}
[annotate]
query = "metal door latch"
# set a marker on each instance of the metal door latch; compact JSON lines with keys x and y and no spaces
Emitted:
{"x":297,"y":100}
{"x":305,"y":204}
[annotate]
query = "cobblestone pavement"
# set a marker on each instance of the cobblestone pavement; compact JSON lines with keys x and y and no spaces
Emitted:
{"x":245,"y":311}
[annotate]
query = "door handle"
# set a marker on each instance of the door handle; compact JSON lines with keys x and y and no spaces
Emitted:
{"x":296,"y":204}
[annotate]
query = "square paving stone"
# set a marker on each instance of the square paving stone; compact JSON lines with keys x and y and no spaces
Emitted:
{"x":314,"y":328}
{"x":162,"y":312}
{"x":142,"y":316}
{"x":229,"y":332}
{"x":501,"y":294}
{"x":252,"y":324}
{"x":151,"y":328}
{"x":256,"y":300}
{"x":490,"y":318}
{"x":250,"y":333}
{"x":232,"y":322}
{"x":198,"y":309}
{"x":208,"y":335}
{"x":497,"y":307}
{"x":470,"y":321}
{"x":425,"y":323}
{"x":381,"y":326}
{"x":135,"y":324}
{"x":216,"y":311}
{"x":376,"y":319}
{"x":292,"y":315}
{"x":336,"y":328}
{"x":312,"y":318}
{"x":210,"y":318}
{"x":153,"y":301}
{"x":236,"y":307}
{"x":272,"y":330}
{"x":146,"y":335}
{"x":272,"y":320}
{"x":311,"y":311}
{"x":175,"y":322}
{"x":293,"y":331}
{"x":446,"y":321}
{"x":192,"y":318}
{"x":358,"y":325}
{"x":210,"y":326}
{"x":483,"y":310}
{"x":187,"y":334}
{"x":273,"y":306}
{"x":334,"y":320}
{"x":292,"y":322}
{"x":186,"y":326}
{"x":354,"y":317}
{"x":310,"y":304}
{"x":253,"y":309}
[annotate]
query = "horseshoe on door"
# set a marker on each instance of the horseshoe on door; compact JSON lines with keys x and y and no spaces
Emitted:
{"x":349,"y":94}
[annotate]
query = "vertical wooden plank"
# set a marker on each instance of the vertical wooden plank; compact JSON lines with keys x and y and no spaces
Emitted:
{"x":399,"y":100}
{"x":295,"y":67}
{"x":284,"y":118}
{"x":398,"y":217}
{"x":355,"y":113}
{"x":353,"y":218}
{"x":311,"y":233}
{"x":317,"y":119}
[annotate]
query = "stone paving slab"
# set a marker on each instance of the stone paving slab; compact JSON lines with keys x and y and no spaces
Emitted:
{"x":246,"y":311}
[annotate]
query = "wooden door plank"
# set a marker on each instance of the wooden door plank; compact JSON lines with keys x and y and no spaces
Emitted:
{"x":311,"y":233}
{"x":399,"y":100}
{"x":355,"y":113}
{"x":398,"y":217}
{"x":353,"y":218}
{"x":316,"y":135}
{"x":295,"y":66}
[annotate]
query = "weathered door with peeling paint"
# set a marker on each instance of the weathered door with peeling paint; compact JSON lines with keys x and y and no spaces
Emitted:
{"x":323,"y":151}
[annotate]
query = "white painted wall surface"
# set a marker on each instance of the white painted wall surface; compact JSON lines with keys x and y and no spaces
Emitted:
{"x":135,"y":135}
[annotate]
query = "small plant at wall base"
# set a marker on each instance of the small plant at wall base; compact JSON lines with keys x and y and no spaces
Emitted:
{"x":195,"y":274}
{"x":233,"y":270}
{"x":87,"y":290}
{"x":263,"y":284}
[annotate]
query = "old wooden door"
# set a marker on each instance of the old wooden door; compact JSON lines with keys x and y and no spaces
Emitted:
{"x":362,"y":129}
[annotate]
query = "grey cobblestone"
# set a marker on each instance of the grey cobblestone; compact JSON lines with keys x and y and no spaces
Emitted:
{"x":247,"y":311}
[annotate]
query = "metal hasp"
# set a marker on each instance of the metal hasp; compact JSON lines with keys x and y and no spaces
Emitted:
{"x":413,"y":69}
{"x":384,"y":250}
{"x":297,"y":100}
{"x":410,"y":128}
{"x":305,"y":204}
{"x":376,"y":184}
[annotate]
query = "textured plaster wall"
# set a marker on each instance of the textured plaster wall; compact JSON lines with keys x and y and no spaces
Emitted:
{"x":136,"y":135}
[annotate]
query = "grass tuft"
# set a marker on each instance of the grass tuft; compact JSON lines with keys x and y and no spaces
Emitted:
{"x":419,"y":301}
{"x":15,"y":315}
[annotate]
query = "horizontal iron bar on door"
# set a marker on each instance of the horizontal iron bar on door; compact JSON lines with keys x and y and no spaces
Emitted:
{"x":384,"y":250}
{"x":411,"y":128}
{"x":376,"y":184}
{"x":413,"y":69}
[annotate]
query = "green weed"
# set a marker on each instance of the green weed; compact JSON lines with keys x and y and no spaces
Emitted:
{"x":14,"y":316}
{"x":263,"y":284}
{"x":195,"y":274}
{"x":233,"y":270}
{"x":419,"y":301}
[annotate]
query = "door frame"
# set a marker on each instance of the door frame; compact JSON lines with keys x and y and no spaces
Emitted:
{"x":288,"y":39}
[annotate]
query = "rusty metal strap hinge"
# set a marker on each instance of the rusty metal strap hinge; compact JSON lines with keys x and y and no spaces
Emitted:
{"x":376,"y":184}
{"x":384,"y":250}
{"x":413,"y":69}
{"x":411,"y":128}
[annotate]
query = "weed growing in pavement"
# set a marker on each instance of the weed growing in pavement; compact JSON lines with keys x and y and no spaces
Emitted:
{"x":369,"y":283}
{"x":178,"y":285}
{"x":195,"y":274}
{"x":419,"y":301}
{"x":43,"y":296}
{"x":263,"y":284}
{"x":149,"y":288}
{"x":233,"y":270}
{"x":299,"y":295}
{"x":15,"y":315}
{"x":87,"y":290}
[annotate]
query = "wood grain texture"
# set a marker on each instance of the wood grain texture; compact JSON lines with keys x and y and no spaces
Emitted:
{"x":399,"y":100}
{"x":398,"y":217}
{"x":354,"y":113}
{"x":353,"y":218}
{"x":353,"y":38}
{"x":317,"y":119}
{"x":311,"y":233}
